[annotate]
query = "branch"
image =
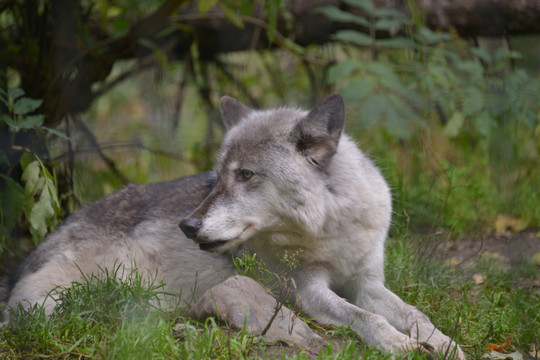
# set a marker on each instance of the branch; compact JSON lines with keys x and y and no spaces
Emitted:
{"x":112,"y":166}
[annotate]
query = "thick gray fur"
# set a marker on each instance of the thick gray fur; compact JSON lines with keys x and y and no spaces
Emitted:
{"x":286,"y":180}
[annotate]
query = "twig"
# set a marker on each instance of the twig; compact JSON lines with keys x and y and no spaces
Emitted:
{"x":180,"y":95}
{"x":104,"y":157}
{"x":169,"y":154}
{"x":243,"y":89}
{"x":279,"y":39}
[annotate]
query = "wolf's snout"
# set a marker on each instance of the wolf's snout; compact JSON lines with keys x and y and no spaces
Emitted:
{"x":190,"y":227}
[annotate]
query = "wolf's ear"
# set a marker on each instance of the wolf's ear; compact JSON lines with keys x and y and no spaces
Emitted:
{"x":233,"y":111}
{"x":317,"y":135}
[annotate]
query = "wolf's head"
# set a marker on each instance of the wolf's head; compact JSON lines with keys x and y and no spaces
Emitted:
{"x":271,"y":174}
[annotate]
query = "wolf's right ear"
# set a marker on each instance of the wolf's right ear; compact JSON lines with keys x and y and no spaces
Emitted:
{"x":233,"y":111}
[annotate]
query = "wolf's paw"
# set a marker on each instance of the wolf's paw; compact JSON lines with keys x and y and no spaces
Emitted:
{"x":444,"y":352}
{"x":439,"y":344}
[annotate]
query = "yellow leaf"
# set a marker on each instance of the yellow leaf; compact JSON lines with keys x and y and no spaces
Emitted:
{"x":502,"y":348}
{"x":536,"y":258}
{"x":478,"y":279}
{"x":504,"y":223}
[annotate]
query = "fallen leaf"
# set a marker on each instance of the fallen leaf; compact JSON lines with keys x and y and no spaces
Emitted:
{"x":478,"y":278}
{"x":534,"y":352}
{"x":502,"y":348}
{"x":536,"y":258}
{"x":504,"y":223}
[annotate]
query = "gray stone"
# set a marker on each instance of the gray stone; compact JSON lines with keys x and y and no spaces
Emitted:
{"x":240,"y":301}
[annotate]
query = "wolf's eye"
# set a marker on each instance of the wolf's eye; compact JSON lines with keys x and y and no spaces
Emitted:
{"x":245,"y":174}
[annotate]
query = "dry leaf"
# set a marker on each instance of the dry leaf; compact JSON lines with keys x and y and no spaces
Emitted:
{"x":504,"y":223}
{"x":502,"y":348}
{"x":536,"y":258}
{"x":534,"y":352}
{"x":478,"y":279}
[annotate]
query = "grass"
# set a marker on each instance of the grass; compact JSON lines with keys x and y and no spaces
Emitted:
{"x":106,"y":318}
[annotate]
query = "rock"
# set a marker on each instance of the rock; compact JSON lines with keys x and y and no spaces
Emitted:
{"x":240,"y":301}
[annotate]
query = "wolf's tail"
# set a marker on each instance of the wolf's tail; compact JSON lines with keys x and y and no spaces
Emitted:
{"x":4,"y":288}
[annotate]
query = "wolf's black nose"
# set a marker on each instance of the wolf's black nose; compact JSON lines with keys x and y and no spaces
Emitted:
{"x":190,"y":227}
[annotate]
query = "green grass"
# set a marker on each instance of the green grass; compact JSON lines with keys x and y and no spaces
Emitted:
{"x":105,"y":318}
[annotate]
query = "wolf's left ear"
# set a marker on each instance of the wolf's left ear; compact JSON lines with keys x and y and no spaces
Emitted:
{"x":233,"y":111}
{"x":317,"y":135}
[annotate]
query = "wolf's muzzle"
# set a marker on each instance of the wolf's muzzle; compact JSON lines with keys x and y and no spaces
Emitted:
{"x":190,"y":227}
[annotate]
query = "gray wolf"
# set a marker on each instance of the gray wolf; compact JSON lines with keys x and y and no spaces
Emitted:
{"x":285,"y":180}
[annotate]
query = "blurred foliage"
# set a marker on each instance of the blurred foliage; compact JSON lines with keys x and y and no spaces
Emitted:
{"x":38,"y":199}
{"x":454,"y":126}
{"x":437,"y":91}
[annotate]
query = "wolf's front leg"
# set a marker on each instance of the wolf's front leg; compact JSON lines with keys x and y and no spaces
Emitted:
{"x":375,"y":297}
{"x":317,"y":300}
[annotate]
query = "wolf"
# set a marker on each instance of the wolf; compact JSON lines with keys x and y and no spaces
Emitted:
{"x":285,"y":180}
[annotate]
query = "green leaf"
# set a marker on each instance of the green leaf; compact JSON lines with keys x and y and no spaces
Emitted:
{"x":392,"y":13}
{"x":396,"y":125}
{"x":4,"y":118}
{"x":406,"y":110}
{"x":236,"y":20}
{"x":343,"y":70}
{"x":205,"y":5}
{"x":483,"y":124}
{"x":335,"y":14}
{"x":388,"y":24}
{"x":50,"y":188}
{"x":159,"y":55}
{"x":472,"y":70}
{"x":11,"y":201}
{"x":40,"y":214}
{"x":30,"y":177}
{"x":473,"y":101}
{"x":57,"y":133}
{"x":16,"y":92}
{"x":383,"y":71}
{"x":4,"y":100}
{"x":357,"y":89}
{"x":366,"y":5}
{"x":39,"y":183}
{"x":482,"y":55}
{"x":120,"y":26}
{"x":397,"y":42}
{"x":353,"y":37}
{"x":372,"y":109}
{"x":404,"y":92}
{"x":442,"y":75}
{"x":454,"y":125}
{"x":298,"y":49}
{"x":31,"y":121}
{"x":25,"y":105}
{"x":26,"y":159}
{"x":430,"y":37}
{"x":272,"y":8}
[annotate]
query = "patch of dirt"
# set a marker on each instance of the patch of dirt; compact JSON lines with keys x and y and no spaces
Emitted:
{"x":279,"y":350}
{"x":509,"y":249}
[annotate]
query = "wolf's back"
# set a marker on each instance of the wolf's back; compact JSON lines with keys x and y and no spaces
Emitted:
{"x":115,"y":218}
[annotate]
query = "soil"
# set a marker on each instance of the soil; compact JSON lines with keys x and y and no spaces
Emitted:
{"x":508,"y":249}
